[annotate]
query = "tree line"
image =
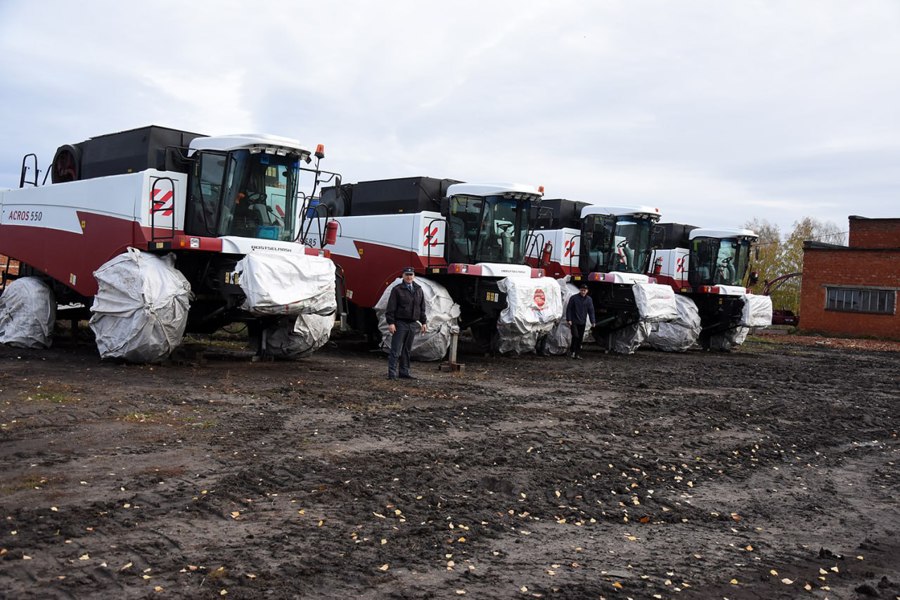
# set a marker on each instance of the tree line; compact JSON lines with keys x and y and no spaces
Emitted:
{"x":782,"y":255}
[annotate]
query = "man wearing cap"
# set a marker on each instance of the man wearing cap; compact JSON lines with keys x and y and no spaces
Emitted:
{"x":405,"y":315}
{"x":578,"y":310}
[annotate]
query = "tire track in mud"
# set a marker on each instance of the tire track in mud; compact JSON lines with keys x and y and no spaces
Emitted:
{"x":651,"y":472}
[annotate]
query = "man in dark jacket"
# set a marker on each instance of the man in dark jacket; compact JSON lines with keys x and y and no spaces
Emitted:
{"x":405,"y":315}
{"x":578,"y":310}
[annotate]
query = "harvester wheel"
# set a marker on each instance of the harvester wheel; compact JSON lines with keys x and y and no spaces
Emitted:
{"x":294,"y":338}
{"x":487,"y":337}
{"x":141,"y":307}
{"x":27,"y":313}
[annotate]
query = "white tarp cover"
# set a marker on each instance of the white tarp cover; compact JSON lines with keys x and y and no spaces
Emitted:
{"x":559,"y":339}
{"x":728,"y":340}
{"x":629,"y":338}
{"x":533,"y":308}
{"x":441,"y":314}
{"x":141,"y":307}
{"x":287,"y":284}
{"x":655,"y":302}
{"x":27,"y":314}
{"x":757,"y":311}
{"x":305,"y":335}
{"x":680,"y":334}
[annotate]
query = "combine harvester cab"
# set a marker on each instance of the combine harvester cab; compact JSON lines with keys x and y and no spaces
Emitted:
{"x":608,"y":248}
{"x":467,"y":244}
{"x":710,"y":266}
{"x":153,"y":232}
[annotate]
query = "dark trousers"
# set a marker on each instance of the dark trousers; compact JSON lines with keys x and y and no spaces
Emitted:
{"x":577,"y":336}
{"x":401,"y":344}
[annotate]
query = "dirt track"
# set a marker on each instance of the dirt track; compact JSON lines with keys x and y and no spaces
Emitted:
{"x":770,"y":472}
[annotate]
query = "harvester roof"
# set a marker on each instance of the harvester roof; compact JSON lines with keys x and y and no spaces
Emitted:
{"x":270,"y":144}
{"x":492,"y":189}
{"x":722,"y":233}
{"x":599,"y":209}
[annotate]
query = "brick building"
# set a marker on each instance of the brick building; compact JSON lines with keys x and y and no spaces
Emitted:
{"x":852,"y":290}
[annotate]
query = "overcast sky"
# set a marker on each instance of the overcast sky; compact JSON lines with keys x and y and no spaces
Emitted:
{"x":717,"y":112}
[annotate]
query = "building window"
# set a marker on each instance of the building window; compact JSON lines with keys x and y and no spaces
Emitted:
{"x":862,"y":300}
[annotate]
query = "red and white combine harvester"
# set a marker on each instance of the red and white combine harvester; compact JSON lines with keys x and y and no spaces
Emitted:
{"x":609,"y":249}
{"x":156,"y":231}
{"x":467,"y":244}
{"x":712,"y":268}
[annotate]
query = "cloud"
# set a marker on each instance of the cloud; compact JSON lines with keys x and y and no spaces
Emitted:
{"x":710,"y":110}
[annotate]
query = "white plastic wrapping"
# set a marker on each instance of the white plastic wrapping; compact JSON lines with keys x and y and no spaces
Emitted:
{"x":757,"y":311}
{"x":655,"y":302}
{"x":287,"y":284}
{"x":141,"y":307}
{"x":629,"y":338}
{"x":559,"y":339}
{"x":306,"y":334}
{"x":441,"y":314}
{"x":680,"y":334}
{"x":27,"y":314}
{"x":729,"y":339}
{"x":533,"y":308}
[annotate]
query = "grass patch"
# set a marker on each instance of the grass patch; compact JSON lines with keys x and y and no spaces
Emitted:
{"x":141,"y":417}
{"x":200,"y":423}
{"x":371,"y":407}
{"x":54,"y":393}
{"x":170,"y":418}
{"x":27,"y":482}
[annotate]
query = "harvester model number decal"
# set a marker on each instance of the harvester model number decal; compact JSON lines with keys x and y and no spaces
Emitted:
{"x":430,"y":236}
{"x":25,"y":215}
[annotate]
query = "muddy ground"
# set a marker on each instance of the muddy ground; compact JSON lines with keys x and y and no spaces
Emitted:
{"x":769,"y":472}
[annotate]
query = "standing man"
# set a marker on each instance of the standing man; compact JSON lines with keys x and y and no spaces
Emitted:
{"x":578,"y":310}
{"x":405,"y":315}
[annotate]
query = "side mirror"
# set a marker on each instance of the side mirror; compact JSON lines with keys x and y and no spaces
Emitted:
{"x":754,"y":277}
